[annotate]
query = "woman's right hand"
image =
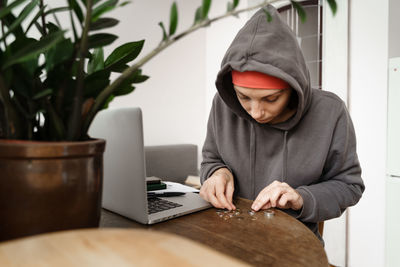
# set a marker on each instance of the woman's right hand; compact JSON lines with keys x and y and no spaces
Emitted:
{"x":218,"y":189}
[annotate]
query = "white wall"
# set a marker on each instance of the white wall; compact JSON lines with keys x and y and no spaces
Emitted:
{"x":219,"y":37}
{"x":368,"y":104}
{"x":172,"y":100}
{"x":334,"y":65}
{"x":394,"y":33}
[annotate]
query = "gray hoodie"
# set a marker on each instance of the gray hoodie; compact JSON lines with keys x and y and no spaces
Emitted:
{"x":314,"y":151}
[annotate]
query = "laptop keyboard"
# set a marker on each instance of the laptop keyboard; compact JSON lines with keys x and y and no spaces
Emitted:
{"x":157,"y":204}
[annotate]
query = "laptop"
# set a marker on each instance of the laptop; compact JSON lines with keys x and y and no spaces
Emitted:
{"x":124,"y":184}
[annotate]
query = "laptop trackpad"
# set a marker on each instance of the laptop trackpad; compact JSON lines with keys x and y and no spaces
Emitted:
{"x":190,"y":202}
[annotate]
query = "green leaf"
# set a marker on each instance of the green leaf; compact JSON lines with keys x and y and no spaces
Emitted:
{"x":124,"y":90}
{"x":197,"y":16}
{"x":333,"y":6}
{"x":165,"y":37}
{"x":32,"y":50}
{"x":205,"y":8}
{"x":126,"y":86}
{"x":38,"y":14}
{"x":108,"y":101}
{"x":173,"y":22}
{"x":5,"y":11}
{"x":120,"y":69}
{"x":103,"y":8}
{"x":137,"y":77}
{"x":77,"y":10}
{"x":103,"y":23}
{"x":95,"y":83}
{"x":51,"y":27}
{"x":43,"y":93}
{"x":235,"y":3}
{"x":97,"y":61}
{"x":24,"y":13}
{"x":124,"y":3}
{"x":229,"y":7}
{"x":269,"y":17}
{"x":59,"y":53}
{"x":300,"y":10}
{"x":101,"y":39}
{"x":123,"y":54}
{"x":140,"y":79}
{"x":41,"y":11}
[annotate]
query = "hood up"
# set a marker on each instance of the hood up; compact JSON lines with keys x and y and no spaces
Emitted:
{"x":270,"y":48}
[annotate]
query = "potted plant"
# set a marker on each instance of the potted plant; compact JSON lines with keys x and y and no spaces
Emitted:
{"x":54,"y":78}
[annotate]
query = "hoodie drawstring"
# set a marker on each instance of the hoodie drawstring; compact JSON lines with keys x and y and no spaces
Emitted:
{"x":252,"y":159}
{"x":284,"y":164}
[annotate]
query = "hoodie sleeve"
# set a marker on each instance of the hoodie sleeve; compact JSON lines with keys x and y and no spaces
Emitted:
{"x":212,"y":160}
{"x":340,"y":185}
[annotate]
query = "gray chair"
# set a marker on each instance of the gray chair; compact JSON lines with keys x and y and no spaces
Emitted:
{"x":171,"y":162}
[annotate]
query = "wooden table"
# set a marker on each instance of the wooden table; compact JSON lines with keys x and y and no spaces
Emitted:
{"x":109,"y":247}
{"x":278,"y":241}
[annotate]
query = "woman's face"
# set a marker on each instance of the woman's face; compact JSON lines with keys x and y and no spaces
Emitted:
{"x":265,"y":106}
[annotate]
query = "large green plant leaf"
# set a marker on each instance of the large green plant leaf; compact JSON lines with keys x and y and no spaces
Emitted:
{"x":77,"y":10}
{"x":300,"y":10}
{"x":21,"y":17}
{"x":198,"y":16}
{"x":42,"y":94}
{"x":61,"y":52}
{"x":103,"y":23}
{"x":103,"y":8}
{"x":32,"y":50}
{"x":101,"y":39}
{"x":165,"y":36}
{"x":45,"y":13}
{"x":173,"y":23}
{"x":124,"y":90}
{"x":107,"y":102}
{"x":95,"y":83}
{"x":7,"y":10}
{"x":268,"y":15}
{"x":96,"y":62}
{"x":205,"y":8}
{"x":124,"y":3}
{"x":332,"y":5}
{"x":123,"y":54}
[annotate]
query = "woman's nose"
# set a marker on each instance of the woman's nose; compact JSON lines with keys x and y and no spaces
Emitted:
{"x":256,"y":111}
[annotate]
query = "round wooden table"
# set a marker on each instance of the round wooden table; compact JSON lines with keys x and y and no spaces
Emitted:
{"x":110,"y":247}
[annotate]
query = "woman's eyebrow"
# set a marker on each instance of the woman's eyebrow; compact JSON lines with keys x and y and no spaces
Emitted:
{"x":280,"y":92}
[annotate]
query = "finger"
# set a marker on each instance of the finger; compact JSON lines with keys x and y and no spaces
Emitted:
{"x":261,"y":200}
{"x":284,"y":201}
{"x":214,"y":201}
{"x":266,"y":206}
{"x":276,"y":194}
{"x":293,"y":200}
{"x":203,"y":192}
{"x":220,"y":193}
{"x":229,"y":194}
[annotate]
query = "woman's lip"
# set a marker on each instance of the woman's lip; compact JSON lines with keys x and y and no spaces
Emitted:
{"x":264,"y":121}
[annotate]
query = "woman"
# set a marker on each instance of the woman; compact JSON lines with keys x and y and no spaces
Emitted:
{"x":273,"y":138}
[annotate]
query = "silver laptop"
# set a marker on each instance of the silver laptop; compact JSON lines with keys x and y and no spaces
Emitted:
{"x":124,"y":187}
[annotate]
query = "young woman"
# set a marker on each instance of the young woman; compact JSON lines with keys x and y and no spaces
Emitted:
{"x":274,"y":139}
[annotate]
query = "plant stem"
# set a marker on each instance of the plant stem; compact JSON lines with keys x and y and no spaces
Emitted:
{"x":2,"y":26}
{"x":103,"y":96}
{"x":74,"y":123}
{"x":43,"y":19}
{"x":12,"y":122}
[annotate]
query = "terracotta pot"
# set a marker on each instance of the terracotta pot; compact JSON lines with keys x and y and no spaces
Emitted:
{"x":49,"y":186}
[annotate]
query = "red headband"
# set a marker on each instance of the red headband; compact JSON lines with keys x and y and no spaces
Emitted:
{"x":257,"y":80}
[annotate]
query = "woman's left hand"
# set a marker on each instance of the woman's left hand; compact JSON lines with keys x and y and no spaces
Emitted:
{"x":279,"y":195}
